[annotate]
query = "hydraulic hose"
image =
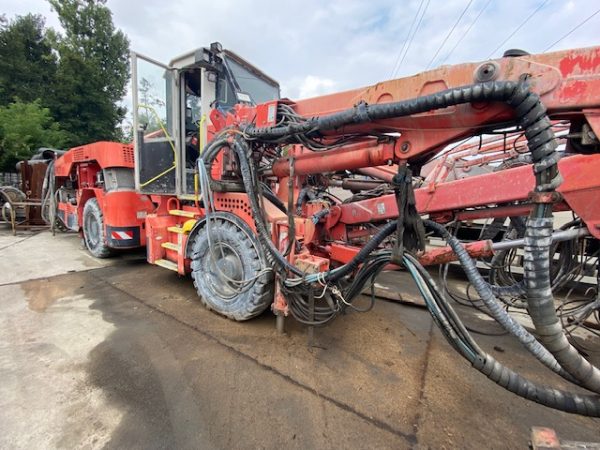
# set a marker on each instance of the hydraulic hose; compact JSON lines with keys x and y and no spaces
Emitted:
{"x":458,"y":336}
{"x":242,"y":150}
{"x":531,"y":116}
{"x":364,"y":252}
{"x":496,"y":308}
{"x":514,"y":290}
{"x":269,"y":195}
{"x":585,"y":405}
{"x":533,"y":119}
{"x":538,"y":232}
{"x":540,"y":301}
{"x":240,"y":147}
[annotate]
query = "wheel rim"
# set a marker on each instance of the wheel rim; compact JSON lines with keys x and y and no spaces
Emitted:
{"x":248,"y":289}
{"x":92,"y":231}
{"x":225,"y":271}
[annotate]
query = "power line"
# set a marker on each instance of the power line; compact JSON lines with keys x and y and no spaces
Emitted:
{"x":449,"y":34}
{"x":518,"y":28}
{"x":467,"y":32}
{"x":413,"y":35}
{"x":406,"y":38}
{"x":572,"y":30}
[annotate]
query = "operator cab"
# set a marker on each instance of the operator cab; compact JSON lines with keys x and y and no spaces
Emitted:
{"x":171,"y":111}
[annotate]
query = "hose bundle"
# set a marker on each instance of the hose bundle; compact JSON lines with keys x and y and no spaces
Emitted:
{"x":530,"y":114}
{"x":457,"y":335}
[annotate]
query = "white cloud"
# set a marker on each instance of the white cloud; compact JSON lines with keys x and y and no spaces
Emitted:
{"x":312,"y":86}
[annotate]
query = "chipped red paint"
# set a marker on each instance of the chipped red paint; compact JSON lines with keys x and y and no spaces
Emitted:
{"x":577,"y":62}
{"x":575,"y":89}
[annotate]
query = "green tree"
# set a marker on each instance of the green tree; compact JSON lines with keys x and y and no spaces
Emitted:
{"x":93,"y":71}
{"x":25,"y":127}
{"x":27,"y":63}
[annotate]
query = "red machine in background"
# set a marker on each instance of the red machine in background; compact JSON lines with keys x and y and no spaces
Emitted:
{"x":235,"y":186}
{"x":97,"y":197}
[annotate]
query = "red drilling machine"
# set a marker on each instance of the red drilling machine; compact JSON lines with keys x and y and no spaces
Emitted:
{"x":298,"y":205}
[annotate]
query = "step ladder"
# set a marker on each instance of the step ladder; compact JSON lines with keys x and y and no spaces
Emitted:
{"x":171,"y":246}
{"x":174,"y":246}
{"x":167,"y":264}
{"x":182,"y":213}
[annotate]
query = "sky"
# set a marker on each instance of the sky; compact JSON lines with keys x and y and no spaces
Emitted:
{"x":314,"y":47}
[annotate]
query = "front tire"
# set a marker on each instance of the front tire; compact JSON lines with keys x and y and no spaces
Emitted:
{"x":93,"y":230}
{"x":223,"y":259}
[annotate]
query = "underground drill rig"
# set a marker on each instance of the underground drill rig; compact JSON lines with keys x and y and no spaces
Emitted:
{"x":242,"y":190}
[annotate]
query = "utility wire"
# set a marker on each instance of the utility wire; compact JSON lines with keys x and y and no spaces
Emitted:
{"x":406,"y":39}
{"x":449,"y":34}
{"x":573,"y":29}
{"x":467,"y":32}
{"x":413,"y":35}
{"x":518,"y":28}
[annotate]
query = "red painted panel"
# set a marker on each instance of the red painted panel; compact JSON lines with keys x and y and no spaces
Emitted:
{"x":107,"y":154}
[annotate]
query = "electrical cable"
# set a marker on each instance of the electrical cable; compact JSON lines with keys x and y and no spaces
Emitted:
{"x":521,"y":25}
{"x":576,"y":27}
{"x":449,"y":34}
{"x":411,"y":39}
{"x":406,"y":39}
{"x":463,"y":35}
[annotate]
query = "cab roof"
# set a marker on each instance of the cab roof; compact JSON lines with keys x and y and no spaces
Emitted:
{"x":192,"y":57}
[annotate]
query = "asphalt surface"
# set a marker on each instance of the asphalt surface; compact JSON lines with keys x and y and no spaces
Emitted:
{"x":114,"y":354}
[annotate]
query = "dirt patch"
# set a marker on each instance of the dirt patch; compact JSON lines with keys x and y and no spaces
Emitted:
{"x":41,"y":294}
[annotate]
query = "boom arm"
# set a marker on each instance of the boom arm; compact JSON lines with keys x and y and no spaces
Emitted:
{"x":568,"y":83}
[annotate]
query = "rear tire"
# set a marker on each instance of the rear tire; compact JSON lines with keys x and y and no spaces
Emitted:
{"x":93,"y":230}
{"x":236,"y":255}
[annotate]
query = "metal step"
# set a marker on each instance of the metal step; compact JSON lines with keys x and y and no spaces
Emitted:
{"x":170,"y":246}
{"x":182,"y":213}
{"x":179,"y":230}
{"x":166,"y":264}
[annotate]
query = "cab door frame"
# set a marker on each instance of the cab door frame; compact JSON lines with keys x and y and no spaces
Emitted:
{"x":207,"y":98}
{"x":173,"y":114}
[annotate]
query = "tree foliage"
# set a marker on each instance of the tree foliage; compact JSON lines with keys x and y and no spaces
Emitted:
{"x":92,"y":73}
{"x":61,"y":88}
{"x":25,"y":127}
{"x":27,"y":63}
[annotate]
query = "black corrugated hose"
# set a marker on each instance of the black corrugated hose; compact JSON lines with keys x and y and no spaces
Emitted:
{"x":496,"y":308}
{"x":458,"y":336}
